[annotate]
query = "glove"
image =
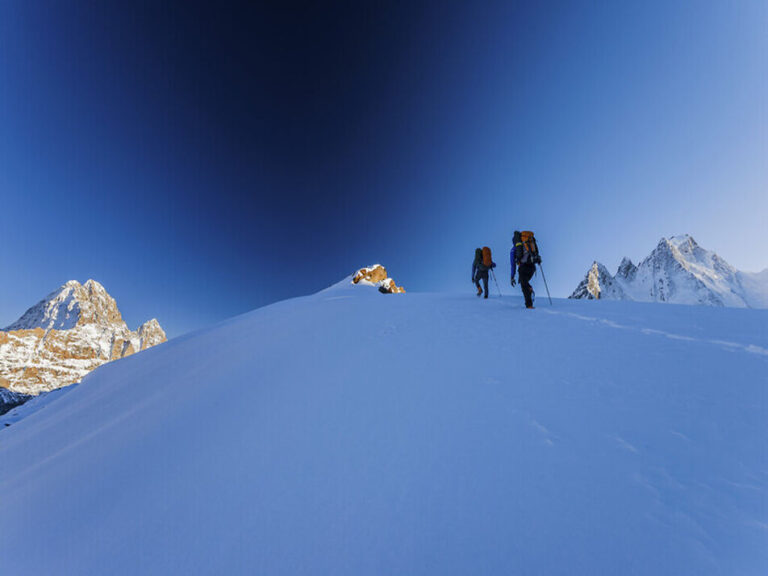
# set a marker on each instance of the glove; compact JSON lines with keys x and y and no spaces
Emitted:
{"x":493,"y":264}
{"x":538,"y":260}
{"x":513,"y":281}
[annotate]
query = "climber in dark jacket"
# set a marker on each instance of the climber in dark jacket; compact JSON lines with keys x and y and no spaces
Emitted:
{"x":525,"y":263}
{"x":480,"y":272}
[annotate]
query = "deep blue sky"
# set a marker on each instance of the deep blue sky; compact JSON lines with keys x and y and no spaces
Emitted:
{"x":204,"y":161}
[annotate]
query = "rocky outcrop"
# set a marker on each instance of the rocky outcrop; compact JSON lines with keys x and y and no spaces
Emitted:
{"x":370,"y":275}
{"x":376,"y":275}
{"x":388,"y":286}
{"x":63,"y":337}
{"x":150,"y":334}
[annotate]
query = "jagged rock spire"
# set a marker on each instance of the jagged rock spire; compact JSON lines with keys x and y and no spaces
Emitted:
{"x":598,"y":283}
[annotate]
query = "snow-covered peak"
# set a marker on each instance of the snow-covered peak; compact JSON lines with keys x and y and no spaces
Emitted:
{"x":150,"y":334}
{"x":59,"y":310}
{"x":626,"y":269}
{"x":94,"y":287}
{"x":150,"y":324}
{"x":681,"y":242}
{"x":72,"y":304}
{"x":598,"y":284}
{"x":679,"y":270}
{"x":66,"y":335}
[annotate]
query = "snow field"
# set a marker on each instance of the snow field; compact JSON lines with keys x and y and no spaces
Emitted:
{"x":351,"y":432}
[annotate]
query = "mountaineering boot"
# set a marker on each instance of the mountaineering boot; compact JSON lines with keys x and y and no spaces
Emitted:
{"x":479,"y":291}
{"x":529,"y":306}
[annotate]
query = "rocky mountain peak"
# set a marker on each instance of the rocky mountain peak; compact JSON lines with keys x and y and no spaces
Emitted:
{"x":150,"y":334}
{"x":71,"y":305}
{"x":683,"y":242}
{"x":597,"y":284}
{"x":98,"y":306}
{"x":680,"y":271}
{"x":66,"y":335}
{"x":626,"y":269}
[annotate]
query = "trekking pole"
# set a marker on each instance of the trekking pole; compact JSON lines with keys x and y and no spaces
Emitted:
{"x":545,"y":283}
{"x":496,"y":281}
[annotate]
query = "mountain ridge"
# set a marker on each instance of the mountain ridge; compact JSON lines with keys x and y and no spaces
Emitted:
{"x":678,"y":270}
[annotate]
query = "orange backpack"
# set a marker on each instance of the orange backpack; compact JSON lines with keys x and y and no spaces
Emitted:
{"x":487,"y":261}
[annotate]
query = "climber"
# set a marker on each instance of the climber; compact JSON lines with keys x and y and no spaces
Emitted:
{"x":480,"y":267}
{"x":524,"y":256}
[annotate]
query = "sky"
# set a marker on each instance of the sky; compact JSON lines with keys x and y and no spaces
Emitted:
{"x":202,"y":160}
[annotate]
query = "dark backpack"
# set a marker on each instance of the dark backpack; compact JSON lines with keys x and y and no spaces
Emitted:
{"x":526,"y":249}
{"x":479,"y":264}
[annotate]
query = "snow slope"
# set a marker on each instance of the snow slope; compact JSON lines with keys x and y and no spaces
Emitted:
{"x":755,"y":284}
{"x":30,"y":405}
{"x":355,"y":433}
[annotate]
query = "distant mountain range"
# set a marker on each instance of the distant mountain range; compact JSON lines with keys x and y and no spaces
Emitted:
{"x":677,"y":271}
{"x":66,"y":335}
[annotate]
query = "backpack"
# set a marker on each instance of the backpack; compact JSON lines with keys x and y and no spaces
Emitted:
{"x":487,"y":262}
{"x":529,"y":250}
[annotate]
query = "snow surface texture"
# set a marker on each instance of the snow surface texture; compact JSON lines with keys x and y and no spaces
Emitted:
{"x":678,"y":271}
{"x":350,"y":433}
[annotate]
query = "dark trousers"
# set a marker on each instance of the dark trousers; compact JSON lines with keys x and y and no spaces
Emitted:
{"x":526,"y":272}
{"x":484,"y":277}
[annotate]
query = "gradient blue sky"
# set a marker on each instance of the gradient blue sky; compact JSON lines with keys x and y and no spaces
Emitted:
{"x":201,"y":161}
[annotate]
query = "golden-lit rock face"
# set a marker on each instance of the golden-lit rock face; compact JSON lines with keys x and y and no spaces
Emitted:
{"x":62,"y":338}
{"x":376,"y":275}
{"x":394,"y":288}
